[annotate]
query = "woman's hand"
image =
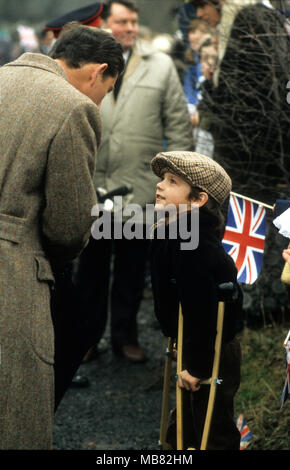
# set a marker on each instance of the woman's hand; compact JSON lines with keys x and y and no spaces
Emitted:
{"x":187,"y":381}
{"x":286,"y":255}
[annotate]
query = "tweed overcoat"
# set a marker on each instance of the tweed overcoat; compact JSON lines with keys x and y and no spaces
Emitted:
{"x":49,"y":134}
{"x":149,"y":114}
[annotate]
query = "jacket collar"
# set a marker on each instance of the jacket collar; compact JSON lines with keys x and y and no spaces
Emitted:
{"x":140,"y":52}
{"x":143,"y":49}
{"x":206,"y":225}
{"x":40,"y":61}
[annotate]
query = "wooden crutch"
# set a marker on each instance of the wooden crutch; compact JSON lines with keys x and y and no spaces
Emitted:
{"x":165,"y":396}
{"x":179,"y":404}
{"x":225,"y":290}
{"x":214,"y":380}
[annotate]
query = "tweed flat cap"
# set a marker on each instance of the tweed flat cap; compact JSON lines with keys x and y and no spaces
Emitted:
{"x":89,"y":16}
{"x":198,"y":170}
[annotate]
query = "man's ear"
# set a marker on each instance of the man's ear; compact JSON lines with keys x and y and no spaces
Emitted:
{"x":98,"y":71}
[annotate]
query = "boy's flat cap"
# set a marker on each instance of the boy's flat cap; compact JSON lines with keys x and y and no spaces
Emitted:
{"x":89,"y":16}
{"x":198,"y":170}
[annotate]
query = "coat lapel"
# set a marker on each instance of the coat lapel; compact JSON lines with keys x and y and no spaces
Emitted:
{"x":135,"y":70}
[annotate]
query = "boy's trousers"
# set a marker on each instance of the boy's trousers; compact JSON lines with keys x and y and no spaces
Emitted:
{"x":224,"y":434}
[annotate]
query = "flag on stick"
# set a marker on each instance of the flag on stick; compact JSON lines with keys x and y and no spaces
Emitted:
{"x":244,"y":238}
{"x":246,"y":435}
{"x":286,"y":388}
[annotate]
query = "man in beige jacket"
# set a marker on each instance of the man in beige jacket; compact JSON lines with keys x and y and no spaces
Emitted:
{"x":147,"y":112}
{"x":49,"y":136}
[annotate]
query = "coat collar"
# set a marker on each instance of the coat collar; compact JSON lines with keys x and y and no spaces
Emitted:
{"x":40,"y":61}
{"x":136,"y":69}
{"x":206,"y":225}
{"x":141,"y":51}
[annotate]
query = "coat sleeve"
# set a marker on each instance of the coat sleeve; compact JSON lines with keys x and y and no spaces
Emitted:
{"x":199,"y":299}
{"x":176,"y":119}
{"x":69,"y":190}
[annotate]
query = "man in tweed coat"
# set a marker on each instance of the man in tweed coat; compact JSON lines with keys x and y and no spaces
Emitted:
{"x":49,"y":135}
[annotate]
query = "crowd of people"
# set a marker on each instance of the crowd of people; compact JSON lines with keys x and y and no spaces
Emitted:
{"x":211,"y":104}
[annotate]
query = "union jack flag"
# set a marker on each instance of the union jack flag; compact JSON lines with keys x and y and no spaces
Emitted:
{"x":246,"y":435}
{"x":286,"y":388}
{"x":244,"y":237}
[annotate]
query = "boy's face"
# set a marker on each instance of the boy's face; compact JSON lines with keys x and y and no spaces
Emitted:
{"x":172,"y":190}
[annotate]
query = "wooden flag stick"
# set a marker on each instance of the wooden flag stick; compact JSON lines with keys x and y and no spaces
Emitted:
{"x":253,"y":200}
{"x":179,"y":415}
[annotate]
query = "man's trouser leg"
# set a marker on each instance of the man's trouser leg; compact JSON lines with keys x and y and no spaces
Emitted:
{"x":130,"y":257}
{"x":93,"y":281}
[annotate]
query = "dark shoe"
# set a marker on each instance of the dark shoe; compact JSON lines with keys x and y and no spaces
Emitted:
{"x":94,"y":352}
{"x":91,"y":355}
{"x":79,"y":381}
{"x":133,"y":353}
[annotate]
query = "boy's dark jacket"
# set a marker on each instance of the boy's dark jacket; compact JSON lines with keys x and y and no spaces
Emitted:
{"x":192,"y":278}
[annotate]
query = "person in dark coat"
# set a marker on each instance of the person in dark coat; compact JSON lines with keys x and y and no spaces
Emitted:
{"x":248,"y":109}
{"x":191,"y":277}
{"x":248,"y":116}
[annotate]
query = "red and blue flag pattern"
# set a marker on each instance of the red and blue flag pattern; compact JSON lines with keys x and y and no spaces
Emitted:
{"x":246,"y":435}
{"x":244,"y":238}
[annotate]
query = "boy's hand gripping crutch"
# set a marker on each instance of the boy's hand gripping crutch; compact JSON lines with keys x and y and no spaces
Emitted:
{"x":227,"y":292}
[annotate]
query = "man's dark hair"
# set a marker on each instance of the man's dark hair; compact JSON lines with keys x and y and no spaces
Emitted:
{"x":130,"y":4}
{"x":78,"y":45}
{"x":203,"y":3}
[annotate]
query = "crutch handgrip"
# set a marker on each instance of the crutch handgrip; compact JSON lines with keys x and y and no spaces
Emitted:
{"x":209,"y":381}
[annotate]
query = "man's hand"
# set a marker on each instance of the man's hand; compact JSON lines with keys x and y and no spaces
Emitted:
{"x":194,"y":118}
{"x":187,"y":381}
